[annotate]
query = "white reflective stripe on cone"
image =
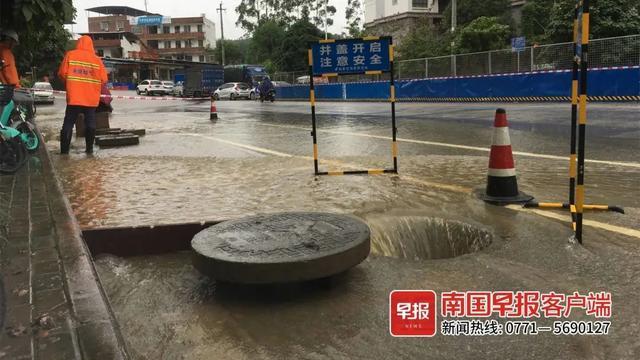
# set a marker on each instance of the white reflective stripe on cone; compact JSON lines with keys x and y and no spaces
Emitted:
{"x":502,"y":172}
{"x":501,"y":136}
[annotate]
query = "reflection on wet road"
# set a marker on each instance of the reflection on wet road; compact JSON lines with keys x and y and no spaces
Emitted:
{"x":256,"y":158}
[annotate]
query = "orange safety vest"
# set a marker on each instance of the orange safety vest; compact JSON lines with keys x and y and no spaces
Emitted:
{"x":8,"y":75}
{"x":83,"y":73}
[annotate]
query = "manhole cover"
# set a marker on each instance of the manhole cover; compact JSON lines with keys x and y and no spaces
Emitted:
{"x":284,"y":247}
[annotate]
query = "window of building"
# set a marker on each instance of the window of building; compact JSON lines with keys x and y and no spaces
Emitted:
{"x":187,"y":43}
{"x":201,"y":58}
{"x":167,"y":44}
{"x":120,"y":25}
{"x":421,"y":4}
{"x":153,"y":29}
{"x":136,"y":29}
{"x":200,"y":43}
{"x":100,"y":52}
{"x":104,"y":26}
{"x":176,"y":29}
{"x":178,"y":44}
{"x":166,"y":29}
{"x":188,"y":57}
{"x":200,"y":28}
{"x":187,"y":28}
{"x":153,"y":44}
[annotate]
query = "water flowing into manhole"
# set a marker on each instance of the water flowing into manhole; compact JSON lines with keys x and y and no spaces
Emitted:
{"x":424,"y":238}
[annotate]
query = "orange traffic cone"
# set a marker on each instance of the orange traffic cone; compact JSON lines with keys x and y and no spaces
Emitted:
{"x":214,"y":112}
{"x":502,"y":186}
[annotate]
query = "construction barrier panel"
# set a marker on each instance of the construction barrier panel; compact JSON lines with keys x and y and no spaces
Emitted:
{"x":607,"y":84}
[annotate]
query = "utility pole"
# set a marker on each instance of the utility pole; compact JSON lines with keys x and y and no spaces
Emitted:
{"x":326,"y":13}
{"x":220,"y":10}
{"x":145,"y":6}
{"x":454,"y":21}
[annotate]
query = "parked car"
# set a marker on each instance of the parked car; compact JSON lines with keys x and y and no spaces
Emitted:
{"x":178,"y":89}
{"x":43,"y":93}
{"x":233,"y":91}
{"x":168,"y":87}
{"x":150,"y":87}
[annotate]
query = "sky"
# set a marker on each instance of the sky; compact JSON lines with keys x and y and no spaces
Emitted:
{"x":184,"y":8}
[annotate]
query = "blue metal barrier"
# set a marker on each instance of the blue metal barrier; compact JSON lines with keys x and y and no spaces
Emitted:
{"x":615,"y":84}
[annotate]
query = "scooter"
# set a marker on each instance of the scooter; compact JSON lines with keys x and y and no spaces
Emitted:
{"x":269,"y":96}
{"x":17,"y":120}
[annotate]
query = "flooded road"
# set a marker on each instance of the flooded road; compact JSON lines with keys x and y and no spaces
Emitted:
{"x":257,"y":158}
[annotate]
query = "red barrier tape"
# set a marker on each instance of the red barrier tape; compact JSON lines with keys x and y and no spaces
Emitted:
{"x":153,"y":98}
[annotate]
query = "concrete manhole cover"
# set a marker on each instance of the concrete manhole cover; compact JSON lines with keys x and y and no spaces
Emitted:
{"x":284,"y":247}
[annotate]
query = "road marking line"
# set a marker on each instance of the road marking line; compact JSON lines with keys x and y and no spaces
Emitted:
{"x":244,"y":146}
{"x":596,"y":224}
{"x":449,"y":187}
{"x":457,"y":146}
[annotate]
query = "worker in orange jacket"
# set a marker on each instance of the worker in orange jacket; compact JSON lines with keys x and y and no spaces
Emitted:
{"x":83,"y":73}
{"x":8,"y":74}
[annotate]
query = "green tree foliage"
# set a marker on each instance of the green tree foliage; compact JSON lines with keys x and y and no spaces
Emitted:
{"x":552,"y":21}
{"x":252,"y":13}
{"x":353,"y":15}
{"x":266,"y":42}
{"x":39,"y":23}
{"x":483,"y":33}
{"x":535,"y":20}
{"x":469,"y":10}
{"x":35,"y":15}
{"x":235,"y":51}
{"x":294,"y":48}
{"x":424,"y":41}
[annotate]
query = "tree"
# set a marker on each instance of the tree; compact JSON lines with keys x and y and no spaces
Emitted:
{"x":294,"y":48}
{"x":469,"y":10}
{"x":266,"y":42}
{"x":535,"y":20}
{"x":607,"y":18}
{"x":424,"y":41}
{"x":235,"y":51}
{"x":35,"y":15}
{"x":252,"y":13}
{"x":353,"y":15}
{"x":43,"y":39}
{"x":481,"y":34}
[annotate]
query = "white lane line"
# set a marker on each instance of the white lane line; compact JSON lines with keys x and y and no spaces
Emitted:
{"x":448,"y":187}
{"x":244,"y":146}
{"x":457,"y":146}
{"x":596,"y":224}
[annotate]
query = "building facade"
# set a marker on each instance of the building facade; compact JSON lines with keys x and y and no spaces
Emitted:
{"x":398,"y":17}
{"x":186,"y":38}
{"x":119,"y":44}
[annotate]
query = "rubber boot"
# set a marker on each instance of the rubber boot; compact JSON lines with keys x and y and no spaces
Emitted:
{"x":65,"y":142}
{"x":89,"y":137}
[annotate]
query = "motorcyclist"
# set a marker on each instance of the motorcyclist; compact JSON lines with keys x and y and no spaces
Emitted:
{"x":265,"y":87}
{"x":9,"y":73}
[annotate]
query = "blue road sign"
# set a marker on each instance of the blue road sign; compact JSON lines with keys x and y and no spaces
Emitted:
{"x":351,"y":56}
{"x":518,"y":43}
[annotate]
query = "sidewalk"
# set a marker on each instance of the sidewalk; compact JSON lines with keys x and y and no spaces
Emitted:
{"x":52,"y":305}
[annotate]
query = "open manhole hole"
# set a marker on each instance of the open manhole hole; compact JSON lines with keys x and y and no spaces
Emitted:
{"x":424,"y":238}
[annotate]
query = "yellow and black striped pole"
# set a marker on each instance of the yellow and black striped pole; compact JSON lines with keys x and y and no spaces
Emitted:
{"x":582,"y":118}
{"x":574,"y":120}
{"x":392,"y":99}
{"x":312,"y":101}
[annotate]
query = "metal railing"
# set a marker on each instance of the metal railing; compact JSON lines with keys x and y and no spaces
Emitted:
{"x":607,"y":52}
